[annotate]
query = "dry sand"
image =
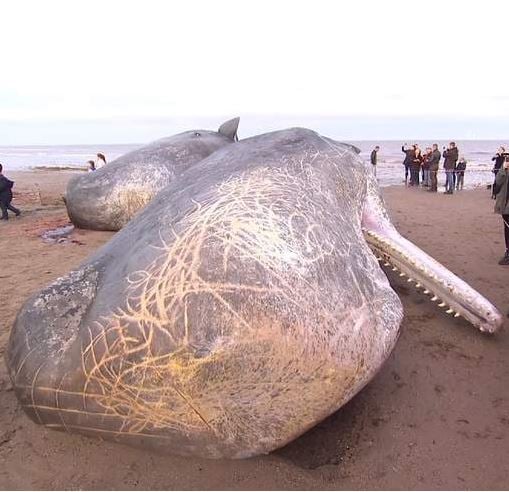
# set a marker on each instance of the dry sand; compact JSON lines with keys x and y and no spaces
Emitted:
{"x":435,"y":417}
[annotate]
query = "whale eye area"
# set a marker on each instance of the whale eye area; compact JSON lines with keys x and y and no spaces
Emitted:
{"x":197,"y":134}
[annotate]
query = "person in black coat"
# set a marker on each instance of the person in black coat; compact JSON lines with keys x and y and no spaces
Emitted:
{"x":6,"y":196}
{"x":409,"y":157}
{"x":499,"y":159}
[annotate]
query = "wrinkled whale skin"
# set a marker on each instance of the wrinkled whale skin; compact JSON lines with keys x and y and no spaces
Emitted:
{"x":238,"y":309}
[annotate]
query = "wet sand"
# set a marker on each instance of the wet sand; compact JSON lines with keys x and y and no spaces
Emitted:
{"x":435,"y":417}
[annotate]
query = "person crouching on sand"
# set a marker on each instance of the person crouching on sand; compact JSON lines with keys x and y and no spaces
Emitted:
{"x":460,"y":173}
{"x":100,"y":161}
{"x":6,"y":196}
{"x":502,"y":204}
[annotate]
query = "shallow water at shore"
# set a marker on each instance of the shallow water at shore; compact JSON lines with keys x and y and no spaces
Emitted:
{"x":390,"y":170}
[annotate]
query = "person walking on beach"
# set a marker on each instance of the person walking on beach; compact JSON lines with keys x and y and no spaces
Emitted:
{"x":460,"y":173}
{"x":450,"y":158}
{"x":374,"y":158}
{"x":6,"y":196}
{"x":502,"y":204}
{"x":434,"y":162}
{"x":409,"y":156}
{"x":499,"y":160}
{"x":100,"y":161}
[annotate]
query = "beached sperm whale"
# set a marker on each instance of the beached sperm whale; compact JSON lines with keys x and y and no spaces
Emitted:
{"x":108,"y":198}
{"x":239,"y":308}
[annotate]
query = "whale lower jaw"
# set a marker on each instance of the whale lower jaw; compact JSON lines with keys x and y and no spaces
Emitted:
{"x":432,"y":278}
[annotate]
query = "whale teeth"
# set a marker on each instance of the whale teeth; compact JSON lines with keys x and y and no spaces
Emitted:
{"x":434,"y":298}
{"x":456,"y":315}
{"x":410,"y":279}
{"x":386,"y":263}
{"x":426,"y":291}
{"x":402,"y":274}
{"x":442,"y":304}
{"x":394,"y":269}
{"x":449,"y":311}
{"x":418,"y":285}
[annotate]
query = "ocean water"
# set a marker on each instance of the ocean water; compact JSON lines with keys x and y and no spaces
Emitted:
{"x":390,"y":170}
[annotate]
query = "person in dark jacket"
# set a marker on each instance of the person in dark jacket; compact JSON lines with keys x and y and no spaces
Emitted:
{"x":426,"y":178}
{"x":374,"y":158}
{"x":502,"y":205}
{"x":409,"y":157}
{"x":460,"y":173}
{"x":416,"y":166}
{"x":6,"y":196}
{"x":499,"y":160}
{"x":450,"y":156}
{"x":434,"y":161}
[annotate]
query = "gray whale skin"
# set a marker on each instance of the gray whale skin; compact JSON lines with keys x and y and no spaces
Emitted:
{"x":239,"y":308}
{"x":108,"y":198}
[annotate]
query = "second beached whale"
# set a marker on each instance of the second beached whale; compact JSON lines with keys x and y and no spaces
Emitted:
{"x":108,"y":198}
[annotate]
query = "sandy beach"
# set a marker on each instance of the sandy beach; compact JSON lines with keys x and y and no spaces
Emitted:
{"x":435,"y":417}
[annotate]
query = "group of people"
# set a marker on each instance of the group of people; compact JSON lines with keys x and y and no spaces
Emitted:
{"x":428,"y":163}
{"x":99,"y":162}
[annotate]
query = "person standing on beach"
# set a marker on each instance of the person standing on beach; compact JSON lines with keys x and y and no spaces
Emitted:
{"x":426,"y":180}
{"x":6,"y":196}
{"x":499,"y":160}
{"x":450,"y":158}
{"x":91,"y":166}
{"x":460,"y":173}
{"x":433,"y":167}
{"x":409,"y":157}
{"x":374,"y":158}
{"x":100,"y":161}
{"x":416,"y":166}
{"x":502,"y":204}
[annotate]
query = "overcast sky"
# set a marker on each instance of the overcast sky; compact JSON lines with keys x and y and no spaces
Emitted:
{"x":121,"y":71}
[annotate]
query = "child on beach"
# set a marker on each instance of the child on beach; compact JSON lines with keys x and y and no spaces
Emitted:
{"x":6,"y":196}
{"x":460,"y":173}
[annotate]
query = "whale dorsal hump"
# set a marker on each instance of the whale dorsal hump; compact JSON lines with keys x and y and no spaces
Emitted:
{"x":229,"y":129}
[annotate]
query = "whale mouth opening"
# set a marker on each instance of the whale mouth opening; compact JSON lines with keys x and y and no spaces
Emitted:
{"x":432,"y":278}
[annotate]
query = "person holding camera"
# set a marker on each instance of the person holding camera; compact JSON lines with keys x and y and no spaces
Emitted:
{"x":409,"y":157}
{"x":451,"y":156}
{"x":502,"y":203}
{"x":499,"y":160}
